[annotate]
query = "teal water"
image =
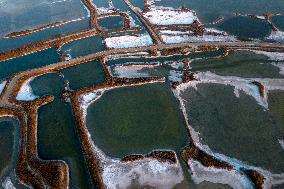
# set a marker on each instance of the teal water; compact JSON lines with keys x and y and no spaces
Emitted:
{"x":136,"y":120}
{"x":236,"y":127}
{"x":246,"y":28}
{"x":84,"y":75}
{"x":111,"y":23}
{"x":84,"y":46}
{"x":6,"y":44}
{"x":239,"y":63}
{"x":210,"y":10}
{"x":33,"y":13}
{"x":278,"y":21}
{"x":38,"y":59}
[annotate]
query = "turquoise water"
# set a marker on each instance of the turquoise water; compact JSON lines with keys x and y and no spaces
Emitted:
{"x":236,"y":127}
{"x":136,"y":120}
{"x":38,"y":59}
{"x":239,"y":63}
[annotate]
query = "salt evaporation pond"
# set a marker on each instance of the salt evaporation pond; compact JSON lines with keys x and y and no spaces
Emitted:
{"x":34,"y":60}
{"x":9,"y":43}
{"x":239,"y":63}
{"x":278,"y":21}
{"x":236,"y":127}
{"x":246,"y":28}
{"x":210,"y":10}
{"x":57,"y":138}
{"x":34,"y":13}
{"x":84,"y":46}
{"x":136,"y":120}
{"x":84,"y":75}
{"x":113,"y":22}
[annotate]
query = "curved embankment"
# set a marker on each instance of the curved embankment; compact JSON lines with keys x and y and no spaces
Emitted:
{"x":31,"y":169}
{"x":204,"y":163}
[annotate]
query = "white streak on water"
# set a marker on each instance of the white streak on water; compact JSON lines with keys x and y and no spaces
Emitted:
{"x":26,"y":92}
{"x":2,"y":86}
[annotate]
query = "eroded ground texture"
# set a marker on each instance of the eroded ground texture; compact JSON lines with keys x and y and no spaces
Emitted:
{"x":122,"y":94}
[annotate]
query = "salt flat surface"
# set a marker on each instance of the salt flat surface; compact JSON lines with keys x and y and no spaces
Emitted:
{"x":277,"y":36}
{"x":26,"y":92}
{"x":130,"y":71}
{"x":127,"y":41}
{"x":205,"y":38}
{"x":168,"y":16}
{"x":7,"y":184}
{"x":2,"y":85}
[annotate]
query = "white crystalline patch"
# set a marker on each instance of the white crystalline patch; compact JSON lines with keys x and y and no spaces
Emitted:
{"x":161,"y":175}
{"x":260,"y":17}
{"x":104,"y":10}
{"x":87,"y":99}
{"x":232,"y":178}
{"x":277,"y":36}
{"x":127,"y":41}
{"x":170,"y":16}
{"x":276,"y":56}
{"x":213,"y":30}
{"x":204,"y":38}
{"x":7,"y":184}
{"x":239,"y":84}
{"x":174,"y":32}
{"x":175,"y":76}
{"x":130,"y":71}
{"x":26,"y":92}
{"x":281,"y":142}
{"x":175,"y":65}
{"x":280,"y":66}
{"x":2,"y":85}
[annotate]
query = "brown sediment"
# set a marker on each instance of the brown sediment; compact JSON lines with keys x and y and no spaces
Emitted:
{"x":255,"y":177}
{"x":163,"y":156}
{"x":192,"y":152}
{"x":131,"y":158}
{"x":261,"y":88}
{"x":187,"y":75}
{"x":30,"y":31}
{"x":93,"y":14}
{"x":91,"y":157}
{"x":157,"y":39}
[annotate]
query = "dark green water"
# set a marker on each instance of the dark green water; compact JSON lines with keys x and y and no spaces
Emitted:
{"x":236,"y":127}
{"x":136,"y":120}
{"x":38,"y":59}
{"x":239,"y":63}
{"x":57,"y":138}
{"x":84,"y":75}
{"x":245,"y":28}
{"x":9,"y":135}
